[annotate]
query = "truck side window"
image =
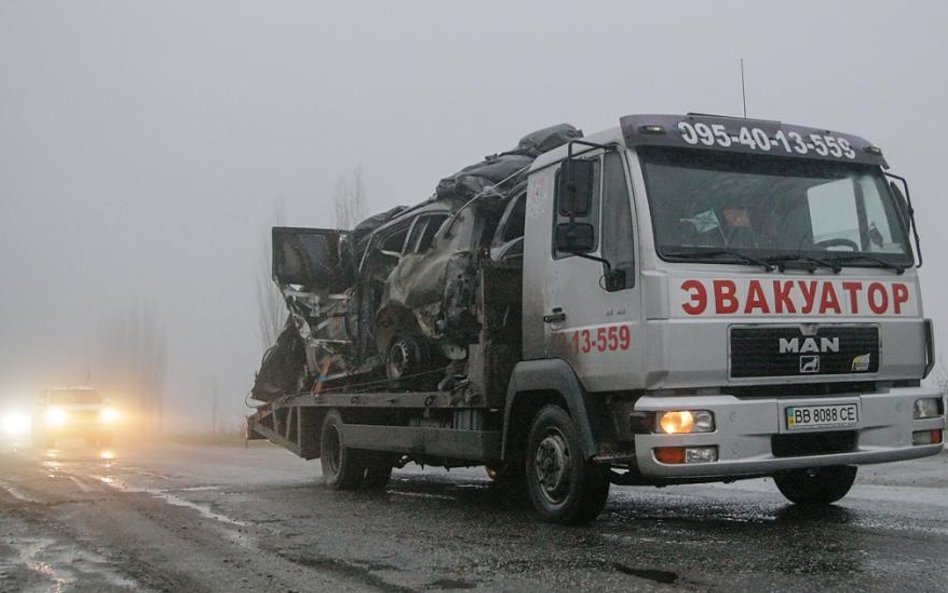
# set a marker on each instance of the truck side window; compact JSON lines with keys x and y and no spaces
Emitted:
{"x":592,"y":218}
{"x":618,"y":242}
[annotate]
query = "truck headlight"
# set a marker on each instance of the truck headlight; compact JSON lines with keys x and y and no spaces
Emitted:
{"x":16,"y":424}
{"x":109,"y":415}
{"x":684,"y":421}
{"x":56,"y":417}
{"x":926,"y":408}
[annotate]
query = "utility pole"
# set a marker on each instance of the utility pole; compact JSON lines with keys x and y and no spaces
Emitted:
{"x":214,"y":409}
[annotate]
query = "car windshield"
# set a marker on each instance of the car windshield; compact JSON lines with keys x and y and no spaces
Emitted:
{"x":74,"y":396}
{"x":709,"y":204}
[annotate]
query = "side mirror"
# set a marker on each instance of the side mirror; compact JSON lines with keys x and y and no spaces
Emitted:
{"x":574,"y":189}
{"x":574,"y":238}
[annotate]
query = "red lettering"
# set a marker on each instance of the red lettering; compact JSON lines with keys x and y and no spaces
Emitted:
{"x":724,"y":300}
{"x":782,"y":297}
{"x":900,"y":295}
{"x":880,"y":304}
{"x":829,"y":300}
{"x":809,"y":295}
{"x":698,"y":297}
{"x":756,"y":299}
{"x":853,"y":289}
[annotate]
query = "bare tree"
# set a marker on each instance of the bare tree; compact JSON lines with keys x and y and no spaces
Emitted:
{"x":270,"y":305}
{"x":350,"y":199}
{"x":132,"y":359}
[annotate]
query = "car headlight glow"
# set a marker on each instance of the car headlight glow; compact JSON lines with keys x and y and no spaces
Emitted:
{"x":56,"y":417}
{"x":16,"y":424}
{"x":109,"y":415}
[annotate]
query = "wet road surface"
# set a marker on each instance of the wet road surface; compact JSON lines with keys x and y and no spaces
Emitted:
{"x":190,"y":518}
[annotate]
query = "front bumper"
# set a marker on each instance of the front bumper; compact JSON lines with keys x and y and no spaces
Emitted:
{"x":745,"y":429}
{"x":77,"y":430}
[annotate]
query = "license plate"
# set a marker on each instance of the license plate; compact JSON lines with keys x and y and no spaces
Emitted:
{"x":821,"y":416}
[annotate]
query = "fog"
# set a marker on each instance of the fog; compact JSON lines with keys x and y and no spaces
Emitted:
{"x":145,"y":147}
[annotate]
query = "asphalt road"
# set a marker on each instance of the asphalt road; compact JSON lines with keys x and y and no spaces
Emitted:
{"x":187,"y":518}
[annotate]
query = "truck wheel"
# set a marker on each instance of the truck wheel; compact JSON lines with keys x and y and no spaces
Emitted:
{"x":376,"y":469}
{"x":342,"y":468}
{"x":816,"y":486}
{"x":564,"y":487}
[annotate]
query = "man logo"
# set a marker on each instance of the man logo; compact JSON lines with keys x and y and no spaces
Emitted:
{"x":809,"y":364}
{"x":795,"y":346}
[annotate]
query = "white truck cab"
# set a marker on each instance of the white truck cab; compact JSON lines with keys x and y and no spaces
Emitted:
{"x":741,"y":294}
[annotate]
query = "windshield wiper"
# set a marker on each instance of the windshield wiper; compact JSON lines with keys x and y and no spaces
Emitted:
{"x":849,"y":258}
{"x":781,"y":262}
{"x":716,"y":255}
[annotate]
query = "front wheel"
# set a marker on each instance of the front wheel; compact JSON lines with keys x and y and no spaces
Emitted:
{"x":816,"y":486}
{"x":564,"y":487}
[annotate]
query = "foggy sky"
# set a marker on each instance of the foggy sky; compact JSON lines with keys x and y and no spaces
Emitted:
{"x":144,"y":146}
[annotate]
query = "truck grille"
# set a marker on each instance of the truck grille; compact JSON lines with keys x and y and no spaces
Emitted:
{"x":782,"y":351}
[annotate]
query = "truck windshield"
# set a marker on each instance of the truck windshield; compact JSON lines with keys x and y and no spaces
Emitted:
{"x":723,"y":208}
{"x":74,"y":396}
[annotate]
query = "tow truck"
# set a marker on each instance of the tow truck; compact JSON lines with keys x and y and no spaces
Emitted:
{"x":678,"y":299}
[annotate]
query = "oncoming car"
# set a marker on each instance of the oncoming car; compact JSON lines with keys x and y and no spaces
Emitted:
{"x":73,"y":413}
{"x":14,"y":426}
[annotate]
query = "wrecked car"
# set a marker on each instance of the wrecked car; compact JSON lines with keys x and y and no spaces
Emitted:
{"x":394,"y":303}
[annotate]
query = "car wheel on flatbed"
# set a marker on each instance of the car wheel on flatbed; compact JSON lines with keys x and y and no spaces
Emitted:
{"x":816,"y":486}
{"x":564,"y":486}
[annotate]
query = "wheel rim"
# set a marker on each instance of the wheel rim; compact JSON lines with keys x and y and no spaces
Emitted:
{"x":398,"y":357}
{"x":335,"y":449}
{"x":552,"y":462}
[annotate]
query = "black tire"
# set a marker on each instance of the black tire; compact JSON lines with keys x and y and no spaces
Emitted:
{"x":816,"y":486}
{"x":564,"y":487}
{"x":376,"y":469}
{"x":342,"y":467}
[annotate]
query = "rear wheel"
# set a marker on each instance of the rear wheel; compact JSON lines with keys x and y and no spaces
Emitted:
{"x":816,"y":486}
{"x":564,"y":486}
{"x":376,"y":469}
{"x":342,"y":468}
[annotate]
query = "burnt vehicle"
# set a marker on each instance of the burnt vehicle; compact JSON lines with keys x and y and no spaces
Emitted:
{"x":395,"y":301}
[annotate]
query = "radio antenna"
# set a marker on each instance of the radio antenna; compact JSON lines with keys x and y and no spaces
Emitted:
{"x":743,"y":90}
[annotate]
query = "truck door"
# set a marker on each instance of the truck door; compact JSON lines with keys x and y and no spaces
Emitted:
{"x":589,"y":318}
{"x":310,"y":259}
